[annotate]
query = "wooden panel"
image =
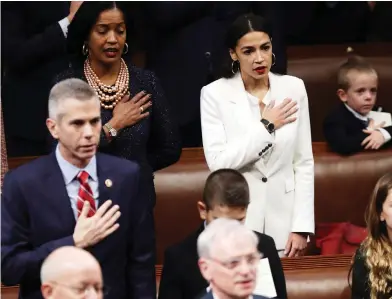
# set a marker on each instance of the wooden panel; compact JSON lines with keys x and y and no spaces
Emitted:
{"x":9,"y":292}
{"x":305,"y":262}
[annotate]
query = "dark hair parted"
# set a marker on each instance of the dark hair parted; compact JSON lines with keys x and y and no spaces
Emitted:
{"x":226,"y":187}
{"x":84,"y":20}
{"x":241,"y":26}
{"x":353,"y":63}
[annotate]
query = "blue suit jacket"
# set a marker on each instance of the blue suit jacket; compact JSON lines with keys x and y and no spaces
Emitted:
{"x":209,"y":296}
{"x":37,"y":218}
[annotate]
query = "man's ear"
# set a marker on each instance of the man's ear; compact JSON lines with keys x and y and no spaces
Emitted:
{"x":52,"y":127}
{"x":46,"y":290}
{"x":342,"y":95}
{"x":205,"y":270}
{"x":201,"y":206}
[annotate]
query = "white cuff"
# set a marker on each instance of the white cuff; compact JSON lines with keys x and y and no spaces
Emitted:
{"x":64,"y":23}
{"x":385,"y":133}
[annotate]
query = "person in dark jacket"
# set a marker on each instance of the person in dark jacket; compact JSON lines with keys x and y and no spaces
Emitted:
{"x":33,"y":50}
{"x":349,"y":129}
{"x":226,"y":194}
{"x":137,"y":122}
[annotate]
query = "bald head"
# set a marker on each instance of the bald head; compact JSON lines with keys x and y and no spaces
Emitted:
{"x":69,"y":268}
{"x":66,"y":259}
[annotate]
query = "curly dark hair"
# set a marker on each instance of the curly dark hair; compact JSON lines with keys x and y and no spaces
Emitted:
{"x":84,"y":20}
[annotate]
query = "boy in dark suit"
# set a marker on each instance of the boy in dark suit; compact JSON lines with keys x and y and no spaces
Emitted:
{"x":226,"y":194}
{"x":74,"y":197}
{"x":348,"y":129}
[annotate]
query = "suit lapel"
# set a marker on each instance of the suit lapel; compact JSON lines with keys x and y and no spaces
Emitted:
{"x":234,"y":91}
{"x":278,"y":94}
{"x":237,"y":91}
{"x":106,"y":181}
{"x":57,"y":194}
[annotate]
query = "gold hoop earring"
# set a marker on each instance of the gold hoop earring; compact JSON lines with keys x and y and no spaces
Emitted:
{"x":126,"y":48}
{"x":232,"y":66}
{"x":274,"y":59}
{"x":85,"y":50}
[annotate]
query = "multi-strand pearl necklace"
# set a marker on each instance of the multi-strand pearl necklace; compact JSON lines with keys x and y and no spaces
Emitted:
{"x":108,"y":95}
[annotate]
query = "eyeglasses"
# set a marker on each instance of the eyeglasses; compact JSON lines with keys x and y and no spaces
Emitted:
{"x":251,"y":260}
{"x":83,"y":290}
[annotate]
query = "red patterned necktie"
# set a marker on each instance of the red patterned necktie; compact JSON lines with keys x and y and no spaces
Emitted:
{"x":85,"y":194}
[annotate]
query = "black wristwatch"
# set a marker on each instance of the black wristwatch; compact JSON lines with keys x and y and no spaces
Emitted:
{"x":269,"y":126}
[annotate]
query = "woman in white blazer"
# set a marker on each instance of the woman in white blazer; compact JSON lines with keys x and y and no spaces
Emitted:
{"x":257,"y":122}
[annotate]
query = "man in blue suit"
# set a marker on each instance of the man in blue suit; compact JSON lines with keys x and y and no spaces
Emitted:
{"x":75,"y":197}
{"x":228,"y":259}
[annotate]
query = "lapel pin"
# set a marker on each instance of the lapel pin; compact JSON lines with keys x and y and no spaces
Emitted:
{"x":108,"y":183}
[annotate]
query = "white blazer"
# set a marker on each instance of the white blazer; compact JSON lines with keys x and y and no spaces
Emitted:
{"x":234,"y":138}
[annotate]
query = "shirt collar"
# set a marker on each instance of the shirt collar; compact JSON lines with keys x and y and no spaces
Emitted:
{"x":356,"y":114}
{"x":70,"y":171}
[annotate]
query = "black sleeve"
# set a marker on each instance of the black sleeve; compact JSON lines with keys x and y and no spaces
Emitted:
{"x":164,"y":146}
{"x":271,"y":253}
{"x":170,"y":285}
{"x":360,"y":275}
{"x":339,"y":140}
{"x":22,"y":52}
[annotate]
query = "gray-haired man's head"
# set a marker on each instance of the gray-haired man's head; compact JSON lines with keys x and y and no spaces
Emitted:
{"x":75,"y":120}
{"x":228,"y":258}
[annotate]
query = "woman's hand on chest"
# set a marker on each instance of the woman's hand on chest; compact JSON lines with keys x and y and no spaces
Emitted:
{"x":130,"y":111}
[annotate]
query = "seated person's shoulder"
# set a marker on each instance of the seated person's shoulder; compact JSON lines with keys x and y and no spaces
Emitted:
{"x":265,"y":242}
{"x":183,"y":247}
{"x":338,"y":112}
{"x":359,"y":254}
{"x":266,"y":238}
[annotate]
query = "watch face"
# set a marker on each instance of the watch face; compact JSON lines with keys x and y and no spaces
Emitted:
{"x":265,"y":122}
{"x":271,"y":126}
{"x":113,"y":133}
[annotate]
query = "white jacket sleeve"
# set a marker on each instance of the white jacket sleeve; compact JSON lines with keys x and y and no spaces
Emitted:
{"x":303,"y":217}
{"x":218,"y":151}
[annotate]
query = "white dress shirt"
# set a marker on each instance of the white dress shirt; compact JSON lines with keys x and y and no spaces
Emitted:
{"x":64,"y":23}
{"x":72,"y":185}
{"x":384,"y":132}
